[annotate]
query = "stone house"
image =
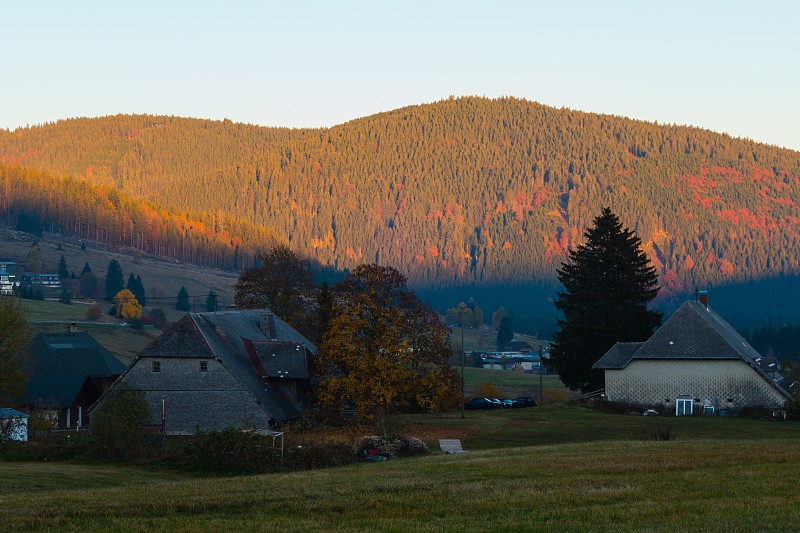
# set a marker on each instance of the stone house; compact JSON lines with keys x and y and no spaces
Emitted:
{"x":695,"y":362}
{"x":237,"y":368}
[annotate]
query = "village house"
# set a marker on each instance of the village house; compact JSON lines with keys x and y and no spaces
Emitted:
{"x":695,"y":362}
{"x":237,"y":368}
{"x":70,"y":372}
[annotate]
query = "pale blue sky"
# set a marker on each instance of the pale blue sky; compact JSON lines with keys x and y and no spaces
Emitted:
{"x":724,"y":65}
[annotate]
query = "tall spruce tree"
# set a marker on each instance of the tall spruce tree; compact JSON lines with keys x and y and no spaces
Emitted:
{"x":115,"y":281}
{"x":608,"y":283}
{"x":63,"y":271}
{"x":182,"y":302}
{"x":504,"y":333}
{"x":211,"y":301}
{"x":137,"y":288}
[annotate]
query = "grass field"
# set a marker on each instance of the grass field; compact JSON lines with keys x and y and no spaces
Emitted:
{"x":736,"y":485}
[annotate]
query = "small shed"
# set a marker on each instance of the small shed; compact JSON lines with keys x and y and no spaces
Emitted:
{"x":13,"y":425}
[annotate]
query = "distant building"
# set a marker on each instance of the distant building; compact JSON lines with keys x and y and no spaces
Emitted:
{"x":7,"y":281}
{"x":42,"y":280}
{"x":237,"y":368}
{"x":71,"y":371}
{"x":695,"y":362}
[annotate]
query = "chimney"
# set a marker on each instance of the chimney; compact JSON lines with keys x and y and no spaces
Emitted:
{"x":702,"y":296}
{"x":266,"y":324}
{"x":73,"y":327}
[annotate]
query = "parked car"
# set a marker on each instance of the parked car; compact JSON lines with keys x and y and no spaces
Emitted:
{"x":523,"y":401}
{"x":496,"y":402}
{"x":479,"y":403}
{"x":508,"y":404}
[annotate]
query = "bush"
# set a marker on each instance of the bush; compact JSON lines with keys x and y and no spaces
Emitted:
{"x":115,"y":423}
{"x":308,"y":456}
{"x":394,"y":446}
{"x":664,"y":433}
{"x":158,"y":318}
{"x":94,"y":313}
{"x":227,"y":451}
{"x":487,"y":390}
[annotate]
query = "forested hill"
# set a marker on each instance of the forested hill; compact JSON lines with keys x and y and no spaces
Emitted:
{"x":467,"y":191}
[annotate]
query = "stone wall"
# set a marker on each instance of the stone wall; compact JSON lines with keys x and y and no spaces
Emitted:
{"x":193,"y":399}
{"x":724,"y":384}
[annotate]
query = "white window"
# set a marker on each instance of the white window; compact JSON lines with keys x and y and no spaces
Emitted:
{"x":683,"y":406}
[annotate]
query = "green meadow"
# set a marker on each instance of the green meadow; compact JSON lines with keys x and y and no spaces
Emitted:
{"x":562,"y":467}
{"x":623,"y":486}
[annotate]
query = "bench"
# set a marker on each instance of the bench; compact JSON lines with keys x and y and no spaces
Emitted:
{"x":451,"y":446}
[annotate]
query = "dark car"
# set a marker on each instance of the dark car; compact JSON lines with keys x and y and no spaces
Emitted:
{"x":523,"y":401}
{"x":479,"y":403}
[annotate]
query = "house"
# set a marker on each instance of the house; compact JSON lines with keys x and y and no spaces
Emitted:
{"x":235,"y":368}
{"x":7,"y":283}
{"x":42,"y":280}
{"x":70,"y":372}
{"x":13,"y":425}
{"x":695,"y":362}
{"x":516,"y":345}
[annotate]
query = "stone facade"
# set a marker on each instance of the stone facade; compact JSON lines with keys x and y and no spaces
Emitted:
{"x":194,"y":399}
{"x":229,"y":369}
{"x":722,"y":384}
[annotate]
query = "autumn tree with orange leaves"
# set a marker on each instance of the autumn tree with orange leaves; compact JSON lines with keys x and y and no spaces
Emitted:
{"x":385,"y":350}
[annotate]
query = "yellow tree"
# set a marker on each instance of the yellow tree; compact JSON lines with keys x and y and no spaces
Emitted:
{"x":127,"y":305}
{"x":385,"y":350}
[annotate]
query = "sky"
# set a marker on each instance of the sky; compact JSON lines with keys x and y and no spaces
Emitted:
{"x":728,"y":66}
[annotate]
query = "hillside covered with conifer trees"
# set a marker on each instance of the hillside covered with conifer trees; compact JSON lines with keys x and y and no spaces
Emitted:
{"x":463,"y":195}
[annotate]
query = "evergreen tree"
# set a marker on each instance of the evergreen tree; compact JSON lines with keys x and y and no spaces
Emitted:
{"x":86,"y":268}
{"x":211,"y":302}
{"x":182,"y":302}
{"x":608,"y":283}
{"x":504,"y":333}
{"x":63,"y":271}
{"x":135,"y":286}
{"x":66,"y":297}
{"x":115,"y":281}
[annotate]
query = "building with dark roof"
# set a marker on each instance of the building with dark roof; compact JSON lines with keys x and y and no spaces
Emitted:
{"x":694,"y":361}
{"x":237,"y":368}
{"x":70,"y":372}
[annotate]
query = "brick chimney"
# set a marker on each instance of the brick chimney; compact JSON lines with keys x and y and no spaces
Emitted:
{"x":702,"y":297}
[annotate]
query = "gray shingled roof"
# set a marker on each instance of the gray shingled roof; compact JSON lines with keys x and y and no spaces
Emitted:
{"x":618,"y":356}
{"x":226,"y":335}
{"x":63,"y":362}
{"x":283,"y":359}
{"x":695,"y":331}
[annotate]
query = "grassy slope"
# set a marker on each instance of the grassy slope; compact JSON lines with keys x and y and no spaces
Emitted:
{"x":162,"y":279}
{"x":122,"y":341}
{"x":655,"y":486}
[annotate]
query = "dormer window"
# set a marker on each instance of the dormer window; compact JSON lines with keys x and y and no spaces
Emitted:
{"x":203,"y":366}
{"x":156,"y":366}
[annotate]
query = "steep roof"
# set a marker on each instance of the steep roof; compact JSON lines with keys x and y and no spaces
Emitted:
{"x":695,"y":331}
{"x":618,"y":356}
{"x":231,"y":337}
{"x":63,"y":362}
